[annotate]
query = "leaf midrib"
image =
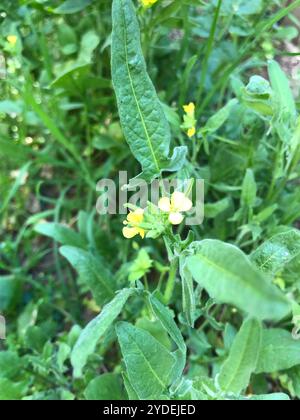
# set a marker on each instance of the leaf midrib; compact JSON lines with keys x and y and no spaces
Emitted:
{"x":134,"y":94}
{"x":233,"y":275}
{"x":161,"y":383}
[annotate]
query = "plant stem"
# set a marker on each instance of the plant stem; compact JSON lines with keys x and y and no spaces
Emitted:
{"x":171,"y":281}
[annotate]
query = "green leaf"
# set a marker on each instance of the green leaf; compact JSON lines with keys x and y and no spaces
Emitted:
{"x":164,"y":315}
{"x":143,"y":120}
{"x":276,"y":253}
{"x":105,"y":387}
{"x":229,"y":277}
{"x":72,"y":6}
{"x":242,"y":361}
{"x":92,"y":272}
{"x":249,"y":190}
{"x":61,"y":234}
{"x":10,"y":364}
{"x":279,"y":351}
{"x":281,"y":87}
{"x":132,"y":395}
{"x":188,"y":294}
{"x":219,"y":118}
{"x":12,"y":390}
{"x":140,"y":266}
{"x":71,"y":79}
{"x":148,"y":363}
{"x":9,"y":291}
{"x":92,"y":333}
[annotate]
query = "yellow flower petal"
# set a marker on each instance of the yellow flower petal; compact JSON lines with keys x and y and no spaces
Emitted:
{"x":189,"y":109}
{"x":136,"y":217}
{"x":175,"y":218}
{"x":164,"y":204}
{"x":130,"y":233}
{"x":191,"y":132}
{"x":141,"y":232}
{"x":148,"y":3}
{"x":177,"y":200}
{"x":186,"y":205}
{"x":12,"y":39}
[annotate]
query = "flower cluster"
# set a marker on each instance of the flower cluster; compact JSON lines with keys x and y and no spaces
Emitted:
{"x":132,"y":224}
{"x":148,"y":3}
{"x":189,"y":120}
{"x":153,"y":221}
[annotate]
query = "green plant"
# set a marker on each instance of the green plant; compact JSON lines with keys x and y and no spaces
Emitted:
{"x":207,"y":312}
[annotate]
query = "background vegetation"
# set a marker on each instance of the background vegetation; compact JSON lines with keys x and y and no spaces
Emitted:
{"x":60,"y":133}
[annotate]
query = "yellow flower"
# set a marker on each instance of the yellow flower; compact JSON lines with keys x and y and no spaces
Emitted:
{"x":179,"y":203}
{"x":134,"y":219}
{"x":12,"y":39}
{"x":148,"y":3}
{"x":189,"y":124}
{"x":189,"y":109}
{"x":191,"y":132}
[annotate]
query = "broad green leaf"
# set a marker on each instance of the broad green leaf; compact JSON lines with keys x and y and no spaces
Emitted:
{"x":10,"y":364}
{"x":61,"y":234}
{"x":72,"y":6}
{"x":105,"y":387}
{"x":242,"y":361}
{"x":72,"y":78}
{"x":274,"y":254}
{"x":149,"y":364}
{"x":12,"y":390}
{"x":188,"y":294}
{"x":92,"y":333}
{"x":132,"y":395}
{"x":229,"y":277}
{"x":164,"y":315}
{"x":279,"y":351}
{"x":281,"y":87}
{"x":92,"y":272}
{"x":144,"y":123}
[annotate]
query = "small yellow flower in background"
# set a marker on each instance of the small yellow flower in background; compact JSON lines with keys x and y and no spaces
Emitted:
{"x":189,"y":120}
{"x":148,"y":3}
{"x":134,"y":220}
{"x":191,"y":132}
{"x":175,"y":206}
{"x":12,"y":39}
{"x":189,"y":109}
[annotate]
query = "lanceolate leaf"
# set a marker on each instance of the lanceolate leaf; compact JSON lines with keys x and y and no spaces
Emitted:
{"x":144,"y":123}
{"x":229,"y":277}
{"x":241,"y":363}
{"x":279,"y":351}
{"x":92,"y":272}
{"x":62,"y":234}
{"x":149,"y":364}
{"x":92,"y":333}
{"x":273,"y":255}
{"x":280,"y":85}
{"x":164,"y":315}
